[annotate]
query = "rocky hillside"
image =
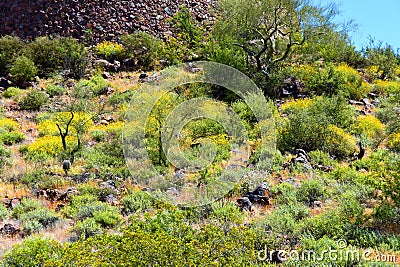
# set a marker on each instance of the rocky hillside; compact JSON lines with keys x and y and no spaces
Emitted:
{"x":98,"y":19}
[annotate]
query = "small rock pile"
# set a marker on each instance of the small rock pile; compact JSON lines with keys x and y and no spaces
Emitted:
{"x":97,"y":19}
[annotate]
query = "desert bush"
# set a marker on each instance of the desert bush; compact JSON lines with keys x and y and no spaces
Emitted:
{"x":33,"y":100}
{"x":43,"y":216}
{"x":10,"y":48}
{"x":87,"y":228}
{"x":393,"y":142}
{"x":11,"y":92}
{"x":369,"y":126}
{"x":386,"y":88}
{"x":31,"y":227}
{"x":226,"y":212}
{"x":46,"y":147}
{"x":312,"y":190}
{"x":95,"y":86}
{"x":110,"y":51}
{"x":137,"y":201}
{"x":23,"y":70}
{"x":340,"y":143}
{"x":108,"y":218}
{"x":51,"y":54}
{"x":329,"y":224}
{"x":284,"y":193}
{"x":11,"y":138}
{"x":27,"y":205}
{"x":9,"y":124}
{"x":142,"y":48}
{"x":55,"y":90}
{"x":3,"y":212}
{"x":33,"y":252}
{"x":318,"y":157}
{"x":85,"y":206}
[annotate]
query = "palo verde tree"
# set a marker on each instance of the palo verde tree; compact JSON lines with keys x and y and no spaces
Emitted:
{"x":269,"y":30}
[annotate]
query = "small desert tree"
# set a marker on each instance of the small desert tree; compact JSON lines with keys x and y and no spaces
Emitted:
{"x":268,"y":30}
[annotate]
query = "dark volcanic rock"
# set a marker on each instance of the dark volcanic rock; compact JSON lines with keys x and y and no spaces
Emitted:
{"x":99,"y":19}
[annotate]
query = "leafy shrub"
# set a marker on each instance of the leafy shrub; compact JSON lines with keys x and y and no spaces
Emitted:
{"x":33,"y":252}
{"x":55,"y":90}
{"x":137,"y":201}
{"x":10,"y":48}
{"x":51,"y":54}
{"x":311,"y":190}
{"x":226,"y":212}
{"x":107,"y":218}
{"x":393,"y":142}
{"x":329,"y":224}
{"x":318,"y":157}
{"x":11,"y":138}
{"x":97,"y":85}
{"x":23,"y":70}
{"x":44,"y":217}
{"x":386,"y":88}
{"x":369,"y":126}
{"x":11,"y":92}
{"x":3,"y":212}
{"x":85,"y":206}
{"x":31,"y":227}
{"x":109,"y":50}
{"x":9,"y":124}
{"x":33,"y":100}
{"x":141,"y":47}
{"x":26,"y":205}
{"x":87,"y":228}
{"x":340,"y":143}
{"x":46,"y":147}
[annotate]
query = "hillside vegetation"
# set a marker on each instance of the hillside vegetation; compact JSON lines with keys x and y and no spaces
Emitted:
{"x":330,"y":183}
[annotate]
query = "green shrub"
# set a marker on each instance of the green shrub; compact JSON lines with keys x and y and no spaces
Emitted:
{"x":312,"y":190}
{"x":137,"y":201}
{"x":44,"y":217}
{"x":110,"y":51}
{"x":87,"y":228}
{"x":55,"y":90}
{"x":226,"y":212}
{"x":3,"y":212}
{"x":141,"y":47}
{"x":33,"y":252}
{"x":108,"y":218}
{"x":11,"y":138}
{"x":10,"y":48}
{"x":31,"y":227}
{"x":97,"y":85}
{"x":23,"y":70}
{"x":12,"y":92}
{"x":26,"y":205}
{"x":33,"y":100}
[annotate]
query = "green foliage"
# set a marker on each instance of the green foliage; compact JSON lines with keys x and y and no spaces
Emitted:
{"x":23,"y":70}
{"x":55,"y":90}
{"x":87,"y":228}
{"x":51,"y":54}
{"x":137,"y":201}
{"x":33,"y":100}
{"x":382,"y":56}
{"x":3,"y":212}
{"x":142,"y":47}
{"x":11,"y":92}
{"x":10,"y":48}
{"x":312,"y":190}
{"x":27,"y":205}
{"x":11,"y":138}
{"x":44,"y":218}
{"x":226,"y":212}
{"x":107,"y":218}
{"x":96,"y":86}
{"x":33,"y":252}
{"x":110,"y":51}
{"x":319,"y":125}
